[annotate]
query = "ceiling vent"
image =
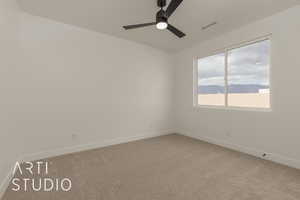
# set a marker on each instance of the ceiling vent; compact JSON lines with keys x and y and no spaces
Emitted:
{"x":209,"y":25}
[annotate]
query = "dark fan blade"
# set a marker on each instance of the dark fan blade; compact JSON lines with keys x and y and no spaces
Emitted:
{"x":172,"y":7}
{"x":138,"y":25}
{"x":175,"y":31}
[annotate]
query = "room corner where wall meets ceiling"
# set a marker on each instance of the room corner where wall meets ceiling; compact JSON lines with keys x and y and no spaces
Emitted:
{"x":189,"y":17}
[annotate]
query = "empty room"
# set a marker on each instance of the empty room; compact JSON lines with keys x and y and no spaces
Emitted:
{"x":149,"y":100}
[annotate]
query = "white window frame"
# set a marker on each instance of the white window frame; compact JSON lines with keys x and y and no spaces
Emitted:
{"x":225,"y":51}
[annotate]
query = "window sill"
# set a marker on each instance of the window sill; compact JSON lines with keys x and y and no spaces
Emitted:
{"x":232,"y":108}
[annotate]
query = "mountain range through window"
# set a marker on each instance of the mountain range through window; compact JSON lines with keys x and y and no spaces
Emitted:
{"x":247,"y":82}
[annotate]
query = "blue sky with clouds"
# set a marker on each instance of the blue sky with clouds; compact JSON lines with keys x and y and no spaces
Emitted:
{"x":247,"y":65}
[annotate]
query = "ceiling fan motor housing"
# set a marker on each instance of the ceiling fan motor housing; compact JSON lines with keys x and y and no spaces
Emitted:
{"x":161,"y":16}
{"x":161,"y":3}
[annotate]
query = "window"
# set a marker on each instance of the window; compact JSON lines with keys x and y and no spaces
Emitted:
{"x":211,"y":82}
{"x":237,"y":77}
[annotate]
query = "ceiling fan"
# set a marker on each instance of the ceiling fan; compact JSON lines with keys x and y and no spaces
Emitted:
{"x":162,"y":17}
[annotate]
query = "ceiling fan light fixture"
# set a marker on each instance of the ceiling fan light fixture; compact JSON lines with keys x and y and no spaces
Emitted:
{"x":161,"y":25}
{"x":162,"y":17}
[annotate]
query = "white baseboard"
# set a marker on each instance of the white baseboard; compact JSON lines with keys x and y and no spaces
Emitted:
{"x":294,"y":163}
{"x":78,"y":148}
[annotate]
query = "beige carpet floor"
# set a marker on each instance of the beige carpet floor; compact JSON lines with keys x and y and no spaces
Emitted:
{"x":170,"y":167}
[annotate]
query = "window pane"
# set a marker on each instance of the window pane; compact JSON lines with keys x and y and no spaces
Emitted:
{"x":211,"y":71}
{"x":248,"y":76}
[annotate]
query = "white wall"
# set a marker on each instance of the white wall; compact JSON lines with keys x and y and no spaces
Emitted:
{"x":276,"y":132}
{"x":73,"y":81}
{"x":80,"y":82}
{"x":9,"y":55}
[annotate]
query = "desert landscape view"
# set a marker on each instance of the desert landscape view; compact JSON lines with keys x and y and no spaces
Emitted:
{"x":251,"y":100}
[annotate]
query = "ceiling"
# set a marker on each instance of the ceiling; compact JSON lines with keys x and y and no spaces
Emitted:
{"x":108,"y":16}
